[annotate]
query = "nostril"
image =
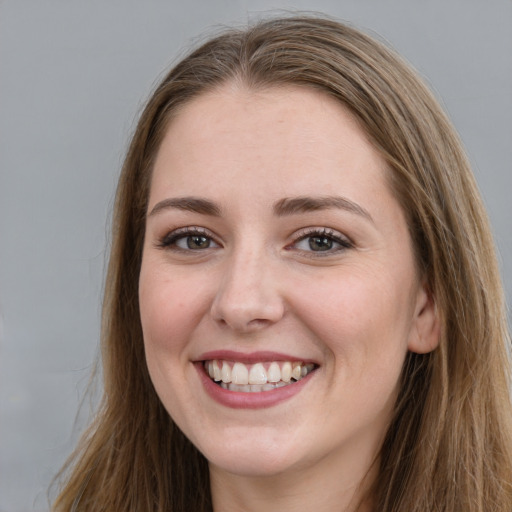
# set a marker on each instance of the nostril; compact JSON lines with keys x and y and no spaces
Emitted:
{"x":247,"y":314}
{"x":258,"y":322}
{"x":241,"y":326}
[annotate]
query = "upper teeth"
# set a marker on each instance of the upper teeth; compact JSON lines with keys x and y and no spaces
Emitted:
{"x":259,"y":373}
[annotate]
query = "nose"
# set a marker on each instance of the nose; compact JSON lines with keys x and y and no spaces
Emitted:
{"x":248,"y":298}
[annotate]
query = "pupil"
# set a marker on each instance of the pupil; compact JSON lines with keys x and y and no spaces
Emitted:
{"x":198,"y":242}
{"x":320,"y":243}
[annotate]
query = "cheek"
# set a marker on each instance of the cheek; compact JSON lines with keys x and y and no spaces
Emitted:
{"x":167,"y":311}
{"x":169,"y":308}
{"x":364,"y":318}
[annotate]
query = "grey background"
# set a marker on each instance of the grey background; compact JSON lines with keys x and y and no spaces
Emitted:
{"x":73,"y":76}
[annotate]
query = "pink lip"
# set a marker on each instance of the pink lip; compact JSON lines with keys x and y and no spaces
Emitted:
{"x":249,"y":358}
{"x":239,"y":400}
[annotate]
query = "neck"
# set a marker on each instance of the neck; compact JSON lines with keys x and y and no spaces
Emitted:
{"x":302,"y":489}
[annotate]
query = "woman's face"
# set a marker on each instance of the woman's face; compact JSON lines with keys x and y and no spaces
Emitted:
{"x":276,"y":254}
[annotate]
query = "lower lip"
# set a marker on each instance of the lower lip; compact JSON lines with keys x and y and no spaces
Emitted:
{"x":241,"y":400}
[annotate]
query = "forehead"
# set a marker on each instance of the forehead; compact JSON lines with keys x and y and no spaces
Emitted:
{"x":293,"y":113}
{"x":289,"y":137}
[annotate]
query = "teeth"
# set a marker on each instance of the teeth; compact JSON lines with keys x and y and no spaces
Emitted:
{"x":216,"y":371}
{"x":241,"y":388}
{"x":255,"y":378}
{"x":257,"y":375}
{"x":274,"y":373}
{"x":239,"y":374}
{"x":226,"y":372}
{"x":286,"y":372}
{"x":251,"y":388}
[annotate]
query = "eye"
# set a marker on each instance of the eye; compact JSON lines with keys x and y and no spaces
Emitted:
{"x":321,"y":240}
{"x":194,"y":242}
{"x":189,"y":239}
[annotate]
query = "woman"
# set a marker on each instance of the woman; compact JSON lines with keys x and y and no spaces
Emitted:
{"x":303,"y":307}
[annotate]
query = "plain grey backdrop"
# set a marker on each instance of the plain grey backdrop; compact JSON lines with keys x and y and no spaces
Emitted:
{"x":73,"y":76}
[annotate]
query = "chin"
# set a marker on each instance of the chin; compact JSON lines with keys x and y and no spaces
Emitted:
{"x":252,"y":457}
{"x":251,"y":466}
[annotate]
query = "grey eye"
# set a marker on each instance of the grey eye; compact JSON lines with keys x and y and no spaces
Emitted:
{"x":195,"y":242}
{"x":198,"y":242}
{"x":321,"y":240}
{"x":320,"y":243}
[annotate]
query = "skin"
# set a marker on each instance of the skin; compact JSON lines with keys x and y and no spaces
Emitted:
{"x":257,"y":285}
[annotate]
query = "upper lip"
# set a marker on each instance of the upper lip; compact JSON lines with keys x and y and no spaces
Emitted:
{"x":251,"y":357}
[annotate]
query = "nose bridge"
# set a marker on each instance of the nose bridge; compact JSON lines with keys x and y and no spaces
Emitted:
{"x":248,"y":296}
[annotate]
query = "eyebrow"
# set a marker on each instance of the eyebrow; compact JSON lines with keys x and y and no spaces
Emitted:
{"x":190,"y":204}
{"x":304,"y":204}
{"x":282,"y":208}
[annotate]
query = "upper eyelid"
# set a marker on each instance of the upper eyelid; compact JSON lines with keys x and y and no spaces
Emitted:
{"x":320,"y":230}
{"x":344,"y":242}
{"x":183,"y":232}
{"x":296,"y":236}
{"x":189,"y":229}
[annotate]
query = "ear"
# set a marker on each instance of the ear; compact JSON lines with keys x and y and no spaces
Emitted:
{"x":426,"y":329}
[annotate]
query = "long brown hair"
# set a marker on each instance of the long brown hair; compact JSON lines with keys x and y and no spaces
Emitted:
{"x":449,"y":446}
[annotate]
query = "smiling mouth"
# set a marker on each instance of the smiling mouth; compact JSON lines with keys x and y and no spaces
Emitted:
{"x":254,"y":378}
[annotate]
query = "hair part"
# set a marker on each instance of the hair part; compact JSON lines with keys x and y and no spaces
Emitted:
{"x":449,"y":445}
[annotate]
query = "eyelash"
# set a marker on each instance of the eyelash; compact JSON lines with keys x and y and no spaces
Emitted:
{"x":169,"y":241}
{"x":325,"y":233}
